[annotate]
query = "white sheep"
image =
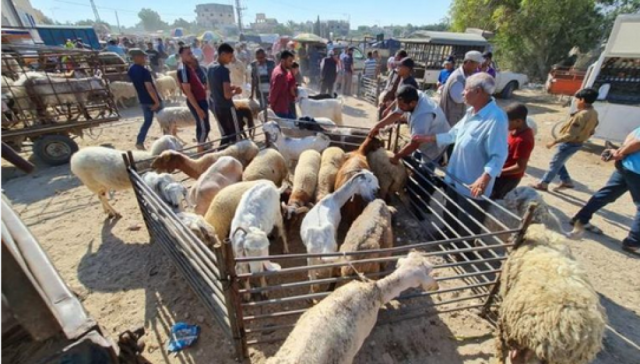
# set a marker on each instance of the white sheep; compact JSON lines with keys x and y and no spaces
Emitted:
{"x":257,"y":215}
{"x":200,"y":228}
{"x":291,"y":148}
{"x":334,"y":330}
{"x":174,"y":117}
{"x":269,"y":164}
{"x":122,"y":91}
{"x":392,"y":177}
{"x":224,"y":172}
{"x":167,"y":87}
{"x":329,"y":108}
{"x":319,"y":226}
{"x":371,"y":230}
{"x":169,"y":191}
{"x":102,"y":170}
{"x":244,"y":151}
{"x":332,"y":160}
{"x":550,"y":312}
{"x":304,"y":184}
{"x":223,"y":207}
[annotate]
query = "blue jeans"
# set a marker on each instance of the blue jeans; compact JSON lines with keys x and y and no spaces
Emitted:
{"x":202,"y":126}
{"x":286,"y":115}
{"x":557,"y":164}
{"x":619,"y":183}
{"x":148,"y":120}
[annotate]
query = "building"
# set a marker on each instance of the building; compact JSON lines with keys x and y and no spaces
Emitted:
{"x":215,"y":15}
{"x":264,"y":24}
{"x":339,"y":28}
{"x":24,"y":14}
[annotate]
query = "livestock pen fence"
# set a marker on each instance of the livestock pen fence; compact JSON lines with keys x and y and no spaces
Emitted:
{"x":468,"y":258}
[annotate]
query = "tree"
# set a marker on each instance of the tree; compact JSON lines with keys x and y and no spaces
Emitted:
{"x":532,"y":35}
{"x":151,"y":20}
{"x":282,"y":29}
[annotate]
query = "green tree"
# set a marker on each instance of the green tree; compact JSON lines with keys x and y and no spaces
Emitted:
{"x":532,"y":35}
{"x":151,"y":20}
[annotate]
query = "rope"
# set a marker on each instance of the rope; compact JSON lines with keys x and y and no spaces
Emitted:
{"x":361,"y":276}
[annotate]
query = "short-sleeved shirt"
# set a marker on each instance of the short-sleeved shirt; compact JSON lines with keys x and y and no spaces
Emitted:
{"x":217,"y":76}
{"x":632,"y":161}
{"x":138,"y":76}
{"x":410,"y":81}
{"x":370,"y":67}
{"x":444,"y":76}
{"x":187,"y":74}
{"x":279,"y":92}
{"x":347,"y":62}
{"x":520,"y":146}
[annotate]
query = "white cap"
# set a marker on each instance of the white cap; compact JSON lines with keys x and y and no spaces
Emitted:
{"x":474,"y":56}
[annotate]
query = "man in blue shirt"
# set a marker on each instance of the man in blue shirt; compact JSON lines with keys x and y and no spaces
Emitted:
{"x":147,"y":93}
{"x":113,"y":46}
{"x":625,"y":178}
{"x":446,"y":72}
{"x":221,"y":97}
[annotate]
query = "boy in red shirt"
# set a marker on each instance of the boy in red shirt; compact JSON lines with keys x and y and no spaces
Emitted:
{"x":521,"y":142}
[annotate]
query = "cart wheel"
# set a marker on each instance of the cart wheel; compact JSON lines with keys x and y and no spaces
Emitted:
{"x":54,"y":150}
{"x":555,"y":131}
{"x":507,"y":91}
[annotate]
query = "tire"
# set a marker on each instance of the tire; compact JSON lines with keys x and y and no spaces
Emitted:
{"x":555,"y":131}
{"x":55,"y":149}
{"x":507,"y":91}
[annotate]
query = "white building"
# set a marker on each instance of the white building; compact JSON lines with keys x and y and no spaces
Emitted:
{"x":264,"y":24}
{"x":215,"y":15}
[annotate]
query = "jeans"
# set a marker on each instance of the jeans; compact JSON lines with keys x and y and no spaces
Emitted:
{"x":503,"y":186}
{"x":619,"y":183}
{"x":202,"y":126}
{"x":148,"y":120}
{"x":557,"y":164}
{"x":227,"y":126}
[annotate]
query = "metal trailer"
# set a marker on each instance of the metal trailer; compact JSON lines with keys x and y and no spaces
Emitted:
{"x":64,"y":93}
{"x":472,"y":261}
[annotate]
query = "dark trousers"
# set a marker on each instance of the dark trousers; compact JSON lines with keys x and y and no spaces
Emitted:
{"x":227,"y":126}
{"x":203,"y":127}
{"x":464,"y":213}
{"x":148,"y":120}
{"x":621,"y":181}
{"x":503,"y":186}
{"x":326,"y":86}
{"x":263,"y":99}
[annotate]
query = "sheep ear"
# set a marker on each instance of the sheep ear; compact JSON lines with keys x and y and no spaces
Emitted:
{"x":301,"y":210}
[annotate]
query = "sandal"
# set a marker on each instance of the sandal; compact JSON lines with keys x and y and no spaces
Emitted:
{"x":631,"y":249}
{"x":540,"y":186}
{"x":565,"y":185}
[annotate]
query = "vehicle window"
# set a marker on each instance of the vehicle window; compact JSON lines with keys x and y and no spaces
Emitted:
{"x":357,"y":54}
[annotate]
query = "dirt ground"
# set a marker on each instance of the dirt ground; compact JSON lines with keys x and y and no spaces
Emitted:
{"x":125,"y":282}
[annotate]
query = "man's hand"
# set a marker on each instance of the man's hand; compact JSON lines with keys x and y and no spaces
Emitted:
{"x":155,"y":107}
{"x":616,"y":155}
{"x":480,"y":185}
{"x":551,"y":144}
{"x":395,"y":159}
{"x":424,"y":138}
{"x":374,"y":132}
{"x":200,"y":113}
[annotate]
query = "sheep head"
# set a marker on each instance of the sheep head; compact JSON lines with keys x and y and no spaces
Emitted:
{"x":289,"y":211}
{"x":416,"y":266}
{"x":272,"y":129}
{"x":366,"y":185}
{"x":253,"y":242}
{"x":167,"y":161}
{"x":175,"y":193}
{"x":302,"y":93}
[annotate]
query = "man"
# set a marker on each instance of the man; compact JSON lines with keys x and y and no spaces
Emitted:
{"x":154,"y":58}
{"x":626,"y":177}
{"x":479,"y":153}
{"x":487,"y":65}
{"x":314,"y":65}
{"x":196,"y":94}
{"x":388,"y":95}
{"x":573,"y":134}
{"x":280,"y":88}
{"x":222,"y":92}
{"x":261,"y":71}
{"x":328,"y":73}
{"x":452,"y":100}
{"x":243,"y":54}
{"x":147,"y":93}
{"x":113,"y":46}
{"x":208,"y":53}
{"x":160,"y":47}
{"x":445,"y":73}
{"x":370,"y":66}
{"x":404,"y":78}
{"x":196,"y":50}
{"x":347,"y":67}
{"x":376,"y":56}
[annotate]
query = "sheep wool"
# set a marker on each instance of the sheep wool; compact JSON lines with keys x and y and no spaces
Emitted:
{"x":392,"y":177}
{"x":122,"y":91}
{"x":268,"y":164}
{"x":223,"y":207}
{"x":226,"y":171}
{"x":332,"y":159}
{"x":304,"y":181}
{"x":549,"y":306}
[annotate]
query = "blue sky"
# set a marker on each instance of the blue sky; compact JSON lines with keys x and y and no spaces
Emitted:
{"x":369,"y":12}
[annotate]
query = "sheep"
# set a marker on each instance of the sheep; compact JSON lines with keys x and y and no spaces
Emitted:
{"x":304,"y":183}
{"x":122,"y":91}
{"x":102,"y":169}
{"x":168,"y":161}
{"x":332,"y":159}
{"x":550,"y":312}
{"x":319,"y":226}
{"x":268,"y":164}
{"x":250,"y":104}
{"x":200,"y":228}
{"x":257,"y":215}
{"x":172,"y":118}
{"x":330,"y":108}
{"x":224,"y":172}
{"x":392,"y":177}
{"x":334,"y":330}
{"x":371,"y":230}
{"x":169,"y":191}
{"x":165,"y":142}
{"x":167,"y":87}
{"x":223,"y":207}
{"x":291,"y":148}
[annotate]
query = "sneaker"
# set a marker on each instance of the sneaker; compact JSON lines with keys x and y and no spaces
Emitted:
{"x":565,"y":185}
{"x":540,"y":186}
{"x":577,"y":232}
{"x":140,"y":146}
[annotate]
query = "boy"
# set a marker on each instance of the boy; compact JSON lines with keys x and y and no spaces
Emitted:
{"x":521,"y":142}
{"x":573,"y":134}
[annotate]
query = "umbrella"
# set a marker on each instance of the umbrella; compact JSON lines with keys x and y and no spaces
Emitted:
{"x":210,"y":36}
{"x":309,"y":38}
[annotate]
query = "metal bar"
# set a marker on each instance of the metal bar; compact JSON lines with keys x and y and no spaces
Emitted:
{"x":270,"y":328}
{"x":275,"y":315}
{"x":409,"y":317}
{"x":241,"y":344}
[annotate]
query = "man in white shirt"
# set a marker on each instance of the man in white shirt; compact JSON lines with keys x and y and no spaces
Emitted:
{"x":452,"y":101}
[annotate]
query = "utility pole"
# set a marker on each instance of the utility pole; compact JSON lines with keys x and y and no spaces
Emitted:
{"x":95,"y":11}
{"x":118,"y":22}
{"x":239,"y":10}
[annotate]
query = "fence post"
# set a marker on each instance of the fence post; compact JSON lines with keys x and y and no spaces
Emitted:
{"x":224,"y":256}
{"x":358,"y":93}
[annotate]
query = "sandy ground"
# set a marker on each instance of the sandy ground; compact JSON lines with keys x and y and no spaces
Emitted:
{"x":126,"y":282}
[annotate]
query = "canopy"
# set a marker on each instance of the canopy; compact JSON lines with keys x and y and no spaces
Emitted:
{"x":177,"y":32}
{"x":210,"y":36}
{"x":309,"y":38}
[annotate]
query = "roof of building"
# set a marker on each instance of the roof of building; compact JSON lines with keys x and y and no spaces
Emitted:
{"x":427,"y":36}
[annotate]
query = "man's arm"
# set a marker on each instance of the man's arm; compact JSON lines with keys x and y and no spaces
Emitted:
{"x":254,"y":81}
{"x":497,"y":149}
{"x":392,"y":118}
{"x":577,"y":122}
{"x":631,"y":145}
{"x":151,"y":89}
{"x":519,"y":167}
{"x":456,"y":92}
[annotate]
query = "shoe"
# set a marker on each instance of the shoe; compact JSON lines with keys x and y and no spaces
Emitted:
{"x":588,"y":227}
{"x":565,"y":185}
{"x":631,"y":249}
{"x":540,"y":186}
{"x":140,"y":146}
{"x":577,"y":232}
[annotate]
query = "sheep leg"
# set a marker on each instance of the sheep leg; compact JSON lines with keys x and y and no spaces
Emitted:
{"x":263,"y":283}
{"x":108,"y":209}
{"x":282,"y":233}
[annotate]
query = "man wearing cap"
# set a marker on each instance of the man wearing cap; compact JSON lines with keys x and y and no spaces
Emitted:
{"x":452,"y":101}
{"x":328,"y":73}
{"x":196,"y":93}
{"x":446,"y":72}
{"x":347,"y":66}
{"x":147,"y":93}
